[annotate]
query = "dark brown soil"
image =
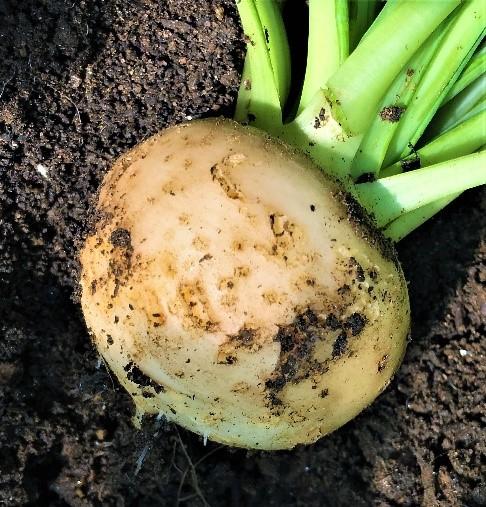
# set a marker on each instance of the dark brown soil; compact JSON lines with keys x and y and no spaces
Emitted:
{"x":81,"y":82}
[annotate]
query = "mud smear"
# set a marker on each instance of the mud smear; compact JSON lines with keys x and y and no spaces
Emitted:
{"x":297,"y":344}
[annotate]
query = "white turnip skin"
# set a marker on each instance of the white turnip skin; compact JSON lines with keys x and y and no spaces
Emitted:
{"x":232,"y":286}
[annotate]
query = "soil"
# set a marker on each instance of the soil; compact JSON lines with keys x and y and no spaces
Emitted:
{"x":80,"y":83}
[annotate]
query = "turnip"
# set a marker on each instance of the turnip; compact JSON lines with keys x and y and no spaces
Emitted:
{"x":242,"y":280}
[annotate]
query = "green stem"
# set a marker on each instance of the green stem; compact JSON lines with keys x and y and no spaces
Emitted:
{"x":469,"y":100}
{"x":316,"y":132}
{"x":465,"y":138}
{"x":404,"y":225}
{"x":373,"y":148}
{"x":243,"y":102}
{"x":456,"y":49}
{"x":327,"y":45}
{"x":263,"y":106}
{"x":389,"y":198}
{"x":322,"y":128}
{"x":361,"y":15}
{"x":474,"y":69}
{"x":362,"y":80}
{"x":277,"y":45}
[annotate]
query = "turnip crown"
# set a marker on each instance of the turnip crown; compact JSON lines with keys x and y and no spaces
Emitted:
{"x":389,"y":88}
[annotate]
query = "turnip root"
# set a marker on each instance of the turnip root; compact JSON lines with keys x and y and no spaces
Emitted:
{"x":239,"y":307}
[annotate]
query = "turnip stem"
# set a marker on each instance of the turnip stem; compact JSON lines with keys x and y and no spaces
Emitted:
{"x":405,"y":224}
{"x":316,"y":132}
{"x":455,"y":50}
{"x":355,"y":88}
{"x":277,"y":45}
{"x":327,"y":46}
{"x":474,"y":69}
{"x":263,"y":103}
{"x":469,"y":101}
{"x":465,"y":138}
{"x":377,"y":101}
{"x":361,"y":15}
{"x":244,"y":93}
{"x":389,"y":198}
{"x":374,"y":145}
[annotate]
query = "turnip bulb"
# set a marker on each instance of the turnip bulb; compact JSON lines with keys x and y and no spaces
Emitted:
{"x":233,"y":287}
{"x":242,"y":280}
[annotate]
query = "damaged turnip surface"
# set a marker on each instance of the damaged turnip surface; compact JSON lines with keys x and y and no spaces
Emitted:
{"x":242,"y":300}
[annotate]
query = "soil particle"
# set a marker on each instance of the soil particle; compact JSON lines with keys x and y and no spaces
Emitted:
{"x":121,"y":238}
{"x":320,"y":120}
{"x":382,"y":363}
{"x":297,"y":341}
{"x":410,"y":164}
{"x":359,"y":271}
{"x":365,"y":225}
{"x":392,"y":113}
{"x":373,"y":274}
{"x":121,"y":258}
{"x":81,"y":83}
{"x":136,"y":375}
{"x":355,"y":323}
{"x":333,"y":322}
{"x":366,"y":178}
{"x":340,"y":345}
{"x":244,"y":337}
